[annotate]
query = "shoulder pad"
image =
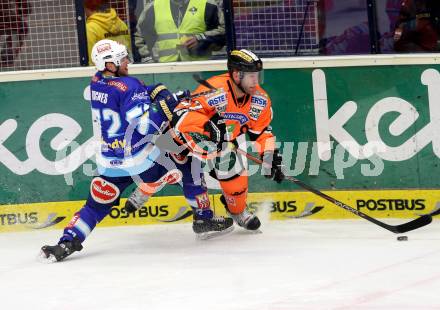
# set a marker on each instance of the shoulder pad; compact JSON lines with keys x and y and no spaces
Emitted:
{"x":157,"y":89}
{"x":261,"y":92}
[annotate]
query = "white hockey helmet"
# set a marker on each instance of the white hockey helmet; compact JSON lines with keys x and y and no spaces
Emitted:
{"x":108,"y":51}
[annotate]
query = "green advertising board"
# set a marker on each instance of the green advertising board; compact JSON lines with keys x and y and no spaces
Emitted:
{"x":339,"y":128}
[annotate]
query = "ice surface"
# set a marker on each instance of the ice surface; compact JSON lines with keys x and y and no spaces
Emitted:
{"x":295,"y":264}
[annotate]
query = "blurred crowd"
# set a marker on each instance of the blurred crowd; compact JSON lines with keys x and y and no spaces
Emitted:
{"x":195,"y":30}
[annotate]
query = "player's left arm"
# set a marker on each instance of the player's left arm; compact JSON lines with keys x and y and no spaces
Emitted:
{"x":148,"y":107}
{"x":261,"y":134}
{"x":261,"y":131}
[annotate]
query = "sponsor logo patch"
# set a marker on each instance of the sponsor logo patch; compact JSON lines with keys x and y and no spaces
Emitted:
{"x":242,"y":55}
{"x":140,"y":96}
{"x":254,"y":112}
{"x":73,"y":221}
{"x":203,"y":201}
{"x":179,"y":158}
{"x":103,"y":48}
{"x":116,"y":162}
{"x":102,"y":191}
{"x":217,"y":100}
{"x":172,"y":176}
{"x":258,"y":100}
{"x":230,"y":201}
{"x":243,"y":119}
{"x":119,"y":85}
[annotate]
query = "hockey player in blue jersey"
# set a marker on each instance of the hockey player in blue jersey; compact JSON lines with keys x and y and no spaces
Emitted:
{"x":131,"y":116}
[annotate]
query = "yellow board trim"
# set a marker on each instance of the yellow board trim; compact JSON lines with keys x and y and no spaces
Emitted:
{"x":404,"y":204}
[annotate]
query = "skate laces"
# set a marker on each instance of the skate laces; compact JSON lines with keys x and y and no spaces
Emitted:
{"x":218,"y":219}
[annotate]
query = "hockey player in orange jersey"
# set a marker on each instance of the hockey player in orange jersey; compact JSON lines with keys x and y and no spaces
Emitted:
{"x":239,"y":106}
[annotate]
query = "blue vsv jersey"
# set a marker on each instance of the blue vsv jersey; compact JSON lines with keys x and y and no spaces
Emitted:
{"x":128,"y":122}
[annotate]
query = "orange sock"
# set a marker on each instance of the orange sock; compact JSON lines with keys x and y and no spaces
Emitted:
{"x":235,"y":192}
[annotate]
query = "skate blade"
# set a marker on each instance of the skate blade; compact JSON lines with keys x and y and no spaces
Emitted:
{"x":251,"y":232}
{"x":43,"y":258}
{"x":214,"y":234}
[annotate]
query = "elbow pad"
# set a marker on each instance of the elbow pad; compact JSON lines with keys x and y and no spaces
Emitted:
{"x":166,"y":100}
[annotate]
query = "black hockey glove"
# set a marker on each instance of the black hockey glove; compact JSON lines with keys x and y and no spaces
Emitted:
{"x":216,"y":127}
{"x":274,"y":159}
{"x":165,"y":99}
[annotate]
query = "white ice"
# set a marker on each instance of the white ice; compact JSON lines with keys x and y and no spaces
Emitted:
{"x":295,"y":264}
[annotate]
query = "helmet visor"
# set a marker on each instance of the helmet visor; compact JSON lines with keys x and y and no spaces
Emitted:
{"x":253,"y":78}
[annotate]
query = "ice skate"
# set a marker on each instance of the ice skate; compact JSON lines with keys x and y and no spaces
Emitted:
{"x":135,"y":201}
{"x":207,"y":226}
{"x":56,"y":253}
{"x":245,"y":219}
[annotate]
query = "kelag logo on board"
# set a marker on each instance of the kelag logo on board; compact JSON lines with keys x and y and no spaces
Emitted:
{"x":332,"y":127}
{"x":329,"y":128}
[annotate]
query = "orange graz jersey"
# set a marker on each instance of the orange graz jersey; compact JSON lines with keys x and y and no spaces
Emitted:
{"x":251,"y":114}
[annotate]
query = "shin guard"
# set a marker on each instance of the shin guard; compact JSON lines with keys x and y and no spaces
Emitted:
{"x":235,"y":192}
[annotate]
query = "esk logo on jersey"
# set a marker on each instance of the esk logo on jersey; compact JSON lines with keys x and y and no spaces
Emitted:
{"x":259,"y":100}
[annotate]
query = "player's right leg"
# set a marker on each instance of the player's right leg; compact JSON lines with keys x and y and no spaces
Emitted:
{"x":104,"y":194}
{"x":234,"y":200}
{"x":206,"y":224}
{"x":151,"y":181}
{"x":189,"y":174}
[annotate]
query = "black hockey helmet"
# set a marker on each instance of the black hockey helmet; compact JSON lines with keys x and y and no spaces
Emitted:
{"x":244,"y":61}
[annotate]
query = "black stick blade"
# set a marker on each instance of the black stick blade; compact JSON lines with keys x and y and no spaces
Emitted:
{"x":201,"y":81}
{"x":414,"y":224}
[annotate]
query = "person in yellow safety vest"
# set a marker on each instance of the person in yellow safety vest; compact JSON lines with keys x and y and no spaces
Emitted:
{"x":102,"y":22}
{"x":180,"y":30}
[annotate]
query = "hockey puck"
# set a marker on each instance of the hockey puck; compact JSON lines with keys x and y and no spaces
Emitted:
{"x":402,"y":238}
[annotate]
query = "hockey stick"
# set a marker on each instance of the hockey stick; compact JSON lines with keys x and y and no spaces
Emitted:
{"x":203,"y":82}
{"x":397,"y":229}
{"x":434,"y":212}
{"x":203,"y":93}
{"x":199,"y":79}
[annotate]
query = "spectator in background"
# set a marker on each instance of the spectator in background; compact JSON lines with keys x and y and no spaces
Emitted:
{"x":13,"y":29}
{"x":348,"y":16}
{"x":180,"y":30}
{"x":415,"y":31}
{"x":132,"y":17}
{"x":102,"y":22}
